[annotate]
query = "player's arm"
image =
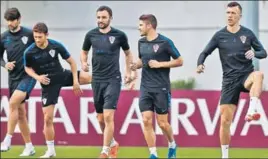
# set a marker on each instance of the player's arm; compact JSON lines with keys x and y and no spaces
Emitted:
{"x":210,"y":47}
{"x":172,"y":63}
{"x":129,"y":56}
{"x":177,"y":60}
{"x":73,"y":66}
{"x":260,"y":52}
{"x":136,"y":65}
{"x":84,"y":53}
{"x":174,"y":53}
{"x":129,"y":59}
{"x":2,"y":50}
{"x":67,"y":57}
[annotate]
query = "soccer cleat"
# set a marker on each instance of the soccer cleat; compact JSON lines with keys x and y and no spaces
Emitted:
{"x":28,"y":152}
{"x":5,"y":147}
{"x":172,"y":152}
{"x":114,"y":151}
{"x":152,"y":156}
{"x":255,"y":117}
{"x":49,"y":154}
{"x":103,"y":155}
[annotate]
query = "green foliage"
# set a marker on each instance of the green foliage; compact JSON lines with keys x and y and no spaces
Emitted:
{"x":190,"y":83}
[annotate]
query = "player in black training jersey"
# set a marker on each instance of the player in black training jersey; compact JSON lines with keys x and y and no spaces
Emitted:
{"x":106,"y":42}
{"x":234,"y":43}
{"x":14,"y":41}
{"x":41,"y":61}
{"x":155,"y":52}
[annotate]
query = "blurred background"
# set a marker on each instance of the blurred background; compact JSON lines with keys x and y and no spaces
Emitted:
{"x":194,"y":116}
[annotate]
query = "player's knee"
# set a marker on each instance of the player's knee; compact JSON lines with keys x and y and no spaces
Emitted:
{"x":48,"y":120}
{"x":108,"y":118}
{"x":226,"y":122}
{"x":22,"y":115}
{"x":85,"y":78}
{"x":147,"y":121}
{"x":13,"y":105}
{"x":258,"y":75}
{"x":163,"y":124}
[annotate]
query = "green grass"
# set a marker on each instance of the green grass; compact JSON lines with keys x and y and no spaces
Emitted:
{"x":139,"y":152}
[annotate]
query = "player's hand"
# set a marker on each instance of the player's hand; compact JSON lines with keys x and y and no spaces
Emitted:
{"x":127,"y":78}
{"x":133,"y":66}
{"x":10,"y":65}
{"x":200,"y":69}
{"x":154,"y":64}
{"x":44,"y":79}
{"x":76,"y":88}
{"x":250,"y":54}
{"x":85,"y":66}
{"x":131,"y":84}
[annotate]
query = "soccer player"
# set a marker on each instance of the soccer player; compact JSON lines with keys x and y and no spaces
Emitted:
{"x":155,"y":52}
{"x":106,"y":42}
{"x":14,"y":41}
{"x":234,"y":43}
{"x":41,"y":61}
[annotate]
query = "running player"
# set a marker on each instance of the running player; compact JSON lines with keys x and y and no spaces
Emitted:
{"x":234,"y":43}
{"x":41,"y":61}
{"x":155,"y":51}
{"x":14,"y":41}
{"x":106,"y":42}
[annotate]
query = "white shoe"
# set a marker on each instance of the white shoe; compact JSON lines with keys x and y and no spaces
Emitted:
{"x":28,"y":152}
{"x":49,"y":154}
{"x":5,"y":147}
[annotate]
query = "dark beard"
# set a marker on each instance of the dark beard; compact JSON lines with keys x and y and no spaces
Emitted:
{"x":13,"y":29}
{"x":104,"y":26}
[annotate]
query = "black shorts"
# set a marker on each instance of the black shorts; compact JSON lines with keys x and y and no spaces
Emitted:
{"x":231,"y":89}
{"x":155,"y":101}
{"x":51,"y":92}
{"x":106,"y":95}
{"x":26,"y":84}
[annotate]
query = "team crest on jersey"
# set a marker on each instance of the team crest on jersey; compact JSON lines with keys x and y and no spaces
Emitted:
{"x":243,"y":39}
{"x":24,"y":39}
{"x":44,"y":101}
{"x":52,"y":53}
{"x":155,"y":47}
{"x":111,"y":38}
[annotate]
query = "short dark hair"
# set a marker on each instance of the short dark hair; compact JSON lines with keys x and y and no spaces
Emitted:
{"x":12,"y":14}
{"x":149,"y":18}
{"x":108,"y":9}
{"x":235,"y":4}
{"x":40,"y":28}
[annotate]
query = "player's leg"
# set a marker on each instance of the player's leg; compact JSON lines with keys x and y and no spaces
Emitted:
{"x":227,"y":113}
{"x":147,"y":110}
{"x":16,"y":98}
{"x":84,"y":77}
{"x":17,"y":113}
{"x":110,"y":95}
{"x":50,"y":96}
{"x":66,"y":78}
{"x":254,"y":83}
{"x":98,"y":103}
{"x":162,"y":104}
{"x":25,"y":132}
{"x":229,"y":99}
{"x":26,"y":85}
{"x":48,"y":130}
{"x":23,"y":123}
